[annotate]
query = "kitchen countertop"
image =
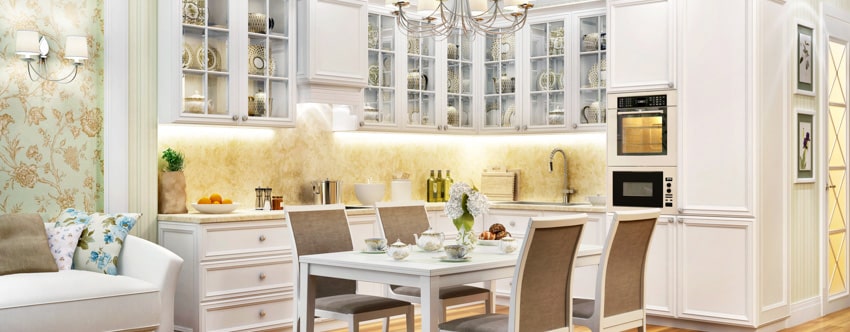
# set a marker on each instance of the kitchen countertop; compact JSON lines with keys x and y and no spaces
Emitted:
{"x":250,"y":215}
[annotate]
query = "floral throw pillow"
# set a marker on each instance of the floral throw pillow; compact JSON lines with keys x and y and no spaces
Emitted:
{"x":101,"y":241}
{"x":63,"y":242}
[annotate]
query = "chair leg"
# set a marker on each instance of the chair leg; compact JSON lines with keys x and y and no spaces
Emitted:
{"x":385,"y":324}
{"x":409,"y":318}
{"x":488,"y":303}
{"x":354,"y":325}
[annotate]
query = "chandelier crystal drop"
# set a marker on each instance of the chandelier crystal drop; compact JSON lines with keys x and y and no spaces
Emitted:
{"x":442,"y":18}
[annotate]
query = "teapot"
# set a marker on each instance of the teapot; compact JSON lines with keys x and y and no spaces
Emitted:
{"x":398,"y":250}
{"x":430,"y":240}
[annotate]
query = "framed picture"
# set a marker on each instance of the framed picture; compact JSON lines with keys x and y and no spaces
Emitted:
{"x":805,"y":60}
{"x":805,"y":149}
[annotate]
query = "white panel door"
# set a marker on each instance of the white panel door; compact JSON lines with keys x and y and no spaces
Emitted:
{"x":837,"y":284}
{"x":641,"y":45}
{"x":715,"y":260}
{"x":715,"y":111}
{"x":660,"y":285}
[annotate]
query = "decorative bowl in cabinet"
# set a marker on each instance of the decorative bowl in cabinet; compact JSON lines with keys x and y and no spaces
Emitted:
{"x":369,"y":193}
{"x":215,"y":208}
{"x":596,"y":200}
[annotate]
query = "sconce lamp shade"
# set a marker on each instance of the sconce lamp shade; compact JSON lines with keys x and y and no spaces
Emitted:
{"x":76,"y":48}
{"x":26,"y":43}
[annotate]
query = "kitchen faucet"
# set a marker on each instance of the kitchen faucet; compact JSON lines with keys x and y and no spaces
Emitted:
{"x":567,"y":191}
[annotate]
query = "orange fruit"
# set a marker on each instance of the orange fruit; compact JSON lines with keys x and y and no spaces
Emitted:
{"x":215,"y":198}
{"x":216,"y":202}
{"x":226,"y":201}
{"x":204,"y":200}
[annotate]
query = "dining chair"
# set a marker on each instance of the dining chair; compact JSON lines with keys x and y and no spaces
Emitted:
{"x":541,"y":297}
{"x":619,"y":304}
{"x":318,"y":229}
{"x":399,"y":221}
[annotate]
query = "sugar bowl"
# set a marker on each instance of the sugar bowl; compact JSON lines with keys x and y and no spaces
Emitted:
{"x":508,"y":245}
{"x":398,"y":250}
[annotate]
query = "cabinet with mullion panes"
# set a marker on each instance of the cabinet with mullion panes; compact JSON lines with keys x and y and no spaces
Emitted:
{"x":421,"y":72}
{"x":500,"y":73}
{"x":547,"y":70}
{"x":459,"y":94}
{"x":592,"y":70}
{"x":268,"y":60}
{"x":379,"y":94}
{"x":205,"y":59}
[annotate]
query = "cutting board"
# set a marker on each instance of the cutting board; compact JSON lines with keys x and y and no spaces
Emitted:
{"x":500,"y":185}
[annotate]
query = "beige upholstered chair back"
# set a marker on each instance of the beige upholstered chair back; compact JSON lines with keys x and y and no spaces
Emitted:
{"x":401,"y":220}
{"x":624,"y":261}
{"x":318,"y":230}
{"x":541,"y":298}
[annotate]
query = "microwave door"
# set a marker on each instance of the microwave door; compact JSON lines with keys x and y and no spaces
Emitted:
{"x":638,"y":189}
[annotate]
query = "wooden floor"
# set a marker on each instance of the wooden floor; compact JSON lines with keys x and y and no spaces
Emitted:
{"x":838,"y":321}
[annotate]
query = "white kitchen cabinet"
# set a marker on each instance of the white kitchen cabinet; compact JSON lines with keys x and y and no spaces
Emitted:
{"x":502,"y":68}
{"x":226,"y":62}
{"x":235,"y":275}
{"x":687,"y":254}
{"x":332,"y":64}
{"x":641,"y":45}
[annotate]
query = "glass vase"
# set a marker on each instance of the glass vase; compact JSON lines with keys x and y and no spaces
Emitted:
{"x":467,"y":238}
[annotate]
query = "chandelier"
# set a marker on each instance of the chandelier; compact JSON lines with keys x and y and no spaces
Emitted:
{"x":470,"y":17}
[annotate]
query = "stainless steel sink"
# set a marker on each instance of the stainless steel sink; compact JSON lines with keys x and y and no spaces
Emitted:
{"x":542,"y":203}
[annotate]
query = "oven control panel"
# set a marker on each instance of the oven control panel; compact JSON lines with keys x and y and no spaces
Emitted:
{"x":641,"y":101}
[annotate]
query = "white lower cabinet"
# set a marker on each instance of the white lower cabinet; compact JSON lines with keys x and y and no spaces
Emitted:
{"x":701,"y":268}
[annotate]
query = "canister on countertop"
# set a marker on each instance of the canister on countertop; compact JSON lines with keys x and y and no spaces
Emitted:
{"x":400,"y":190}
{"x":277,"y":202}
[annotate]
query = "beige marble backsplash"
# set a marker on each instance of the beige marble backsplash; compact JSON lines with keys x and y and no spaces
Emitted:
{"x":233,"y":161}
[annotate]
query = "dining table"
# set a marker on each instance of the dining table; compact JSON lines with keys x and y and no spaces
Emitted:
{"x":427,"y":270}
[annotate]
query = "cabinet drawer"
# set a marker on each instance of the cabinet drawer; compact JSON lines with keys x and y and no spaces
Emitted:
{"x":241,"y":239}
{"x":515,"y":221}
{"x":245,"y":277}
{"x":260,"y":313}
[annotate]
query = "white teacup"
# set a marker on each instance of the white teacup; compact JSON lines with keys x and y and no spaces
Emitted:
{"x":455,"y":251}
{"x":508,"y":245}
{"x":376,"y":244}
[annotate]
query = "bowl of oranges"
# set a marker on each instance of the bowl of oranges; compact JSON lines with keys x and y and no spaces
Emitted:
{"x":215,"y":204}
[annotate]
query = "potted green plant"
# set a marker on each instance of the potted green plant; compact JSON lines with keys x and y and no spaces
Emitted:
{"x":172,"y":183}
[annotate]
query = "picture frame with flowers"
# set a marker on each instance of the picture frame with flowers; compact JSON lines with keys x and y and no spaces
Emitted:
{"x":805,"y":159}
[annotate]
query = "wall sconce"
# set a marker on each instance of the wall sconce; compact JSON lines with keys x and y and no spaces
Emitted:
{"x":31,"y":48}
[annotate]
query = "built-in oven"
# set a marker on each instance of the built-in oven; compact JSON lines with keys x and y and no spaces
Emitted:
{"x":642,"y":130}
{"x":642,"y":187}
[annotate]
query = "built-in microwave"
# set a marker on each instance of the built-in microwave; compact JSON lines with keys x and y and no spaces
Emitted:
{"x":642,"y":187}
{"x":642,"y":128}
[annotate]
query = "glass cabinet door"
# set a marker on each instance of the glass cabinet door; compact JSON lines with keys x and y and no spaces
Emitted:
{"x":459,"y":111}
{"x":379,"y":94}
{"x":547,"y":65}
{"x":592,"y":70}
{"x":268,"y":54}
{"x":205,"y":58}
{"x":500,"y":73}
{"x":420,"y":81}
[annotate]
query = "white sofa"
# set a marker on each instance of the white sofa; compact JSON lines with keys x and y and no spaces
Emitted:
{"x":140,"y":298}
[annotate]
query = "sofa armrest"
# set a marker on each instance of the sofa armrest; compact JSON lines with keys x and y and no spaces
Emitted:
{"x":145,"y":260}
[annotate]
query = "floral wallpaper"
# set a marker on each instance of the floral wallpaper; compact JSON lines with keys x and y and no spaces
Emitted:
{"x":51,"y":147}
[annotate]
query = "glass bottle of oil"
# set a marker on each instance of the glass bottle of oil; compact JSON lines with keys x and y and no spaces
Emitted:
{"x":447,"y":185}
{"x":430,"y":186}
{"x":441,"y":190}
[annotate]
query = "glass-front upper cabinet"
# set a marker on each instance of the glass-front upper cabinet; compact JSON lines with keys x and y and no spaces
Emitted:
{"x":592,"y":70}
{"x":546,"y":75}
{"x":459,"y":98}
{"x":421,"y":71}
{"x":500,"y":71}
{"x":379,"y":94}
{"x":206,"y":73}
{"x":268,"y":54}
{"x":235,"y":62}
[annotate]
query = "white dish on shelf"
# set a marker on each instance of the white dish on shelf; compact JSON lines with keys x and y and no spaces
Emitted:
{"x":489,"y":242}
{"x":374,"y":73}
{"x":215,"y":208}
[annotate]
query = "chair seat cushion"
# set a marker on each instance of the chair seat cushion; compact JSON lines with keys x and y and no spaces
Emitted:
{"x":478,"y":323}
{"x":357,"y":303}
{"x":583,"y":308}
{"x":447,"y":292}
{"x":76,"y":300}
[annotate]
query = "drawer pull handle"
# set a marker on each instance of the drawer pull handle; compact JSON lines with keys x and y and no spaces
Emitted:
{"x":262,"y":238}
{"x":262,"y":276}
{"x":262,"y":313}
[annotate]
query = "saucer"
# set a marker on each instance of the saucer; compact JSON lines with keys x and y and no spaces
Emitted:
{"x":489,"y":242}
{"x":453,"y":260}
{"x":384,"y":251}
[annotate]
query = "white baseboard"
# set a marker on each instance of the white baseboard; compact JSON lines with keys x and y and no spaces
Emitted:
{"x":804,"y":311}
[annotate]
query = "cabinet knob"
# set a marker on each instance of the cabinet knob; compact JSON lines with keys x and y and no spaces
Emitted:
{"x":262,"y":313}
{"x":244,"y":118}
{"x":670,"y":84}
{"x":518,"y":128}
{"x":512,"y":223}
{"x":235,"y":117}
{"x":362,"y":123}
{"x":680,"y":210}
{"x":262,"y":238}
{"x":262,"y":276}
{"x":575,"y":126}
{"x":671,"y":220}
{"x":524,"y":127}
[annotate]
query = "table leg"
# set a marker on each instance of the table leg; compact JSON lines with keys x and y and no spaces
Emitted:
{"x":306,"y":299}
{"x":491,"y":285}
{"x":430,"y":303}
